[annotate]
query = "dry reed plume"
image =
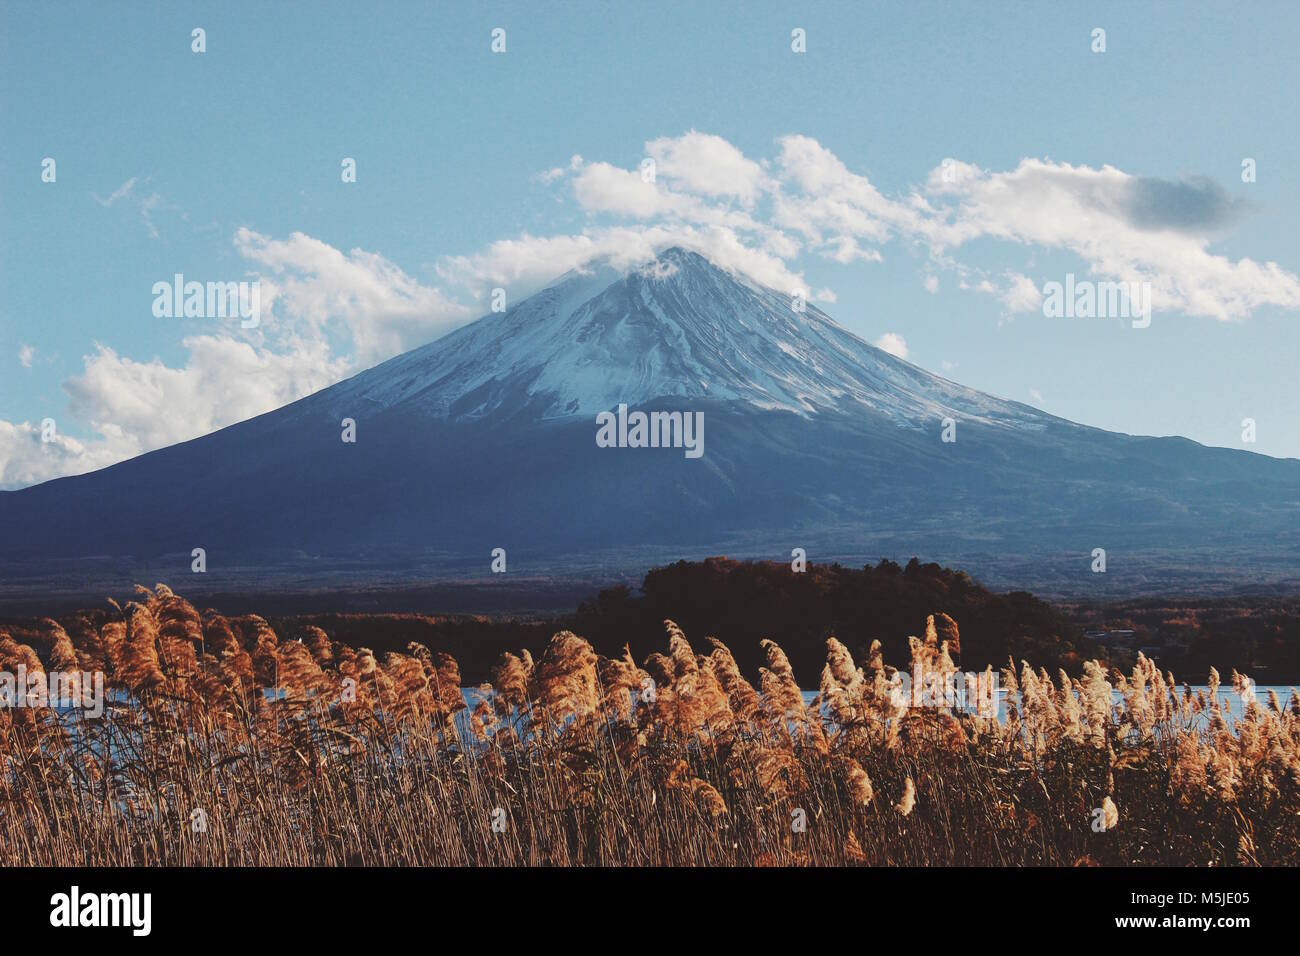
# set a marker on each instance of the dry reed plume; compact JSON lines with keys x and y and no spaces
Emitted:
{"x":224,"y":743}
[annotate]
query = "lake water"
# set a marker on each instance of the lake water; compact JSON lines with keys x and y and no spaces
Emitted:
{"x":1232,"y":703}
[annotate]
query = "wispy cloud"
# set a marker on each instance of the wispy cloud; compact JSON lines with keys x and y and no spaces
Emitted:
{"x":147,"y":204}
{"x":121,"y":192}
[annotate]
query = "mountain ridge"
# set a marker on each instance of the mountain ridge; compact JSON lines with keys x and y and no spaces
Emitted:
{"x":486,"y":438}
{"x":742,"y":345}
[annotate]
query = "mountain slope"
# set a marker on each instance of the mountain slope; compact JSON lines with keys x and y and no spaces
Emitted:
{"x":813,"y":438}
{"x":678,"y":327}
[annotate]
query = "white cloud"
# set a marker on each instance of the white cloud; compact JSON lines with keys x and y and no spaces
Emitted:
{"x":1125,"y":227}
{"x":604,"y":188}
{"x":139,"y":406}
{"x":1020,"y":294}
{"x":25,"y":355}
{"x":25,"y":459}
{"x":841,"y":213}
{"x":133,"y":407}
{"x":931,"y":284}
{"x":559,"y":172}
{"x":951,"y":175}
{"x":707,"y":165}
{"x":893,"y":343}
{"x":526,"y":263}
{"x":308,"y":287}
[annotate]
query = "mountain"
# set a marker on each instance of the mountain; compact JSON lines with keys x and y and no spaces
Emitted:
{"x":677,"y":328}
{"x":812,"y":438}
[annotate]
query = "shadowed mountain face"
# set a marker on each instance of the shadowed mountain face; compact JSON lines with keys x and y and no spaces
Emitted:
{"x":812,"y":438}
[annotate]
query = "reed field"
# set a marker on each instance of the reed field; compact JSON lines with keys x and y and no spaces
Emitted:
{"x":224,"y":743}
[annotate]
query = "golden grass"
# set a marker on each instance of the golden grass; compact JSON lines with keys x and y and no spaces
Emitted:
{"x":226,"y":745}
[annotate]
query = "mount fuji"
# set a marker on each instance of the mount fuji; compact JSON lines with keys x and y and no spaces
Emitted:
{"x":814,"y":439}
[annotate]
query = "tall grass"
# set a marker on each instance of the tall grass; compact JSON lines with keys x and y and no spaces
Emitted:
{"x":225,"y":745}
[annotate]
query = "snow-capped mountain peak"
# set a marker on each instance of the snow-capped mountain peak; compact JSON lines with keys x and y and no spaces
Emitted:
{"x":675,"y":327}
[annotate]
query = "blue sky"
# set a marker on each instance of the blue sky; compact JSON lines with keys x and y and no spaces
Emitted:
{"x":475,"y":170}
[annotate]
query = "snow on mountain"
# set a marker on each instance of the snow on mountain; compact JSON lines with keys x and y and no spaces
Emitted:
{"x":676,"y":327}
